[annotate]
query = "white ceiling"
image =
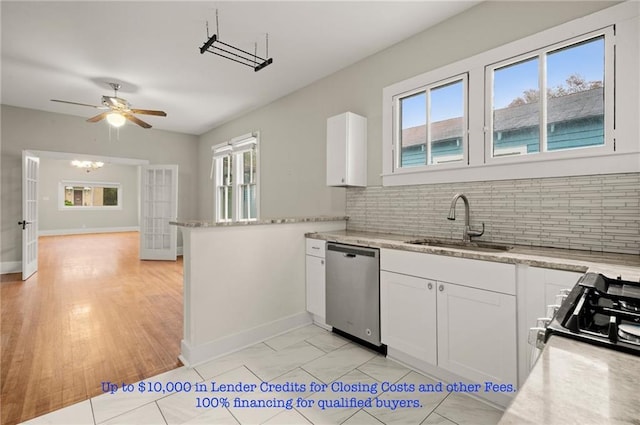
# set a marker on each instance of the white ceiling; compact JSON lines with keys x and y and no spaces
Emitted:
{"x":69,"y":50}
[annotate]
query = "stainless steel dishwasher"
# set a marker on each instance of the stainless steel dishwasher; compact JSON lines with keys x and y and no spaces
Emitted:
{"x":353,"y":291}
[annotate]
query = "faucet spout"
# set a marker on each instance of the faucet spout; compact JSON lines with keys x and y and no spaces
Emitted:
{"x":468,"y":232}
{"x":454,"y":201}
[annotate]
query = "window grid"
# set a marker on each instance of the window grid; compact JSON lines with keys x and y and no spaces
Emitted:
{"x":235,"y":173}
{"x":544,"y":91}
{"x":408,"y":153}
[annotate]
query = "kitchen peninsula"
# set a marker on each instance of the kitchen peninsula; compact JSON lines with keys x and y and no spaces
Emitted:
{"x":243,"y":282}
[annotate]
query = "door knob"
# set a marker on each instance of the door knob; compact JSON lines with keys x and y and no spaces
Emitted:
{"x":23,"y":223}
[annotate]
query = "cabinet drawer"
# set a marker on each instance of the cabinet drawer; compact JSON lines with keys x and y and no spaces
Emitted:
{"x":316,"y":247}
{"x":491,"y":276}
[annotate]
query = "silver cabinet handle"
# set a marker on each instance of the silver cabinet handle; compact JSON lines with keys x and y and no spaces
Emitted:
{"x":322,"y":262}
{"x":430,"y":286}
{"x":441,"y":288}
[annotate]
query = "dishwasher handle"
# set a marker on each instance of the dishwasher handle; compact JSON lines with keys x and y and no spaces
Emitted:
{"x":352,"y":251}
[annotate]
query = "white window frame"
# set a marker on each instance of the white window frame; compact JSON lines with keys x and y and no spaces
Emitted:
{"x":540,"y":54}
{"x":623,"y":154}
{"x":76,"y":183}
{"x":235,"y":148}
{"x":397,"y":119}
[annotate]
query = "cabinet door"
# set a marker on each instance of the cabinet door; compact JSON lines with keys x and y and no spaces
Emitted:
{"x":315,"y":274}
{"x":337,"y":150}
{"x":477,"y":333}
{"x":408,"y":315}
{"x":347,"y":150}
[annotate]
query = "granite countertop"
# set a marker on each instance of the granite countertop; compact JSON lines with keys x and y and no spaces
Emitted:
{"x":283,"y":220}
{"x":575,"y":382}
{"x":611,"y":264}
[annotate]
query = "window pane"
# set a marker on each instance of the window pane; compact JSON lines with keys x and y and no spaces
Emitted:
{"x":110,"y":196}
{"x":226,"y":170}
{"x":224,"y":206}
{"x":516,"y":109}
{"x":413,"y":117}
{"x":249,"y":166}
{"x":248,"y":210}
{"x":575,"y":96}
{"x":446,"y":123}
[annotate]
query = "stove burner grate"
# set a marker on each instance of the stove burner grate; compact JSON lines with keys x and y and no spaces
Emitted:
{"x":629,"y":332}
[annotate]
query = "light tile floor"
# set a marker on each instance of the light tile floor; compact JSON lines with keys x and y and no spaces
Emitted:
{"x":308,"y":356}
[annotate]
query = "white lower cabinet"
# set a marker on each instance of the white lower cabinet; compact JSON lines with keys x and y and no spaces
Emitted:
{"x":315,"y":275}
{"x":408,"y":315}
{"x":537,"y":288}
{"x":477,"y":333}
{"x":315,"y":285}
{"x":456,"y":314}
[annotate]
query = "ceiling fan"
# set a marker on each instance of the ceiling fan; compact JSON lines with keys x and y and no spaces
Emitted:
{"x":119,"y":110}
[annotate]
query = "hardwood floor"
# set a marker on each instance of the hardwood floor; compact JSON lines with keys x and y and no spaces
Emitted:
{"x":93,"y":312}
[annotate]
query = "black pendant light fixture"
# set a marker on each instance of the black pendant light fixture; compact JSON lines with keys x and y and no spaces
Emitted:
{"x":227,"y":51}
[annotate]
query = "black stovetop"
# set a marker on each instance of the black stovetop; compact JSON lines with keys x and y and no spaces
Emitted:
{"x":602,"y":311}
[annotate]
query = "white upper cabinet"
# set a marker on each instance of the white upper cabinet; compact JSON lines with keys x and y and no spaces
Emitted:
{"x":347,"y":150}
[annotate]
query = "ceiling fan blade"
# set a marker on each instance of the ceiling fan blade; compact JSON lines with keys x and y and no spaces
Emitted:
{"x":77,"y":103}
{"x":137,"y":121}
{"x":149,"y":112}
{"x":98,"y":117}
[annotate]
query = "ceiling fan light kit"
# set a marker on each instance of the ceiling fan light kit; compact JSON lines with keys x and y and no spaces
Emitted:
{"x":116,"y":119}
{"x":235,"y":54}
{"x":119,"y":110}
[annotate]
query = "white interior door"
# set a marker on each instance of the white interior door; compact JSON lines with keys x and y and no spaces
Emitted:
{"x":159,"y":198}
{"x":29,"y":222}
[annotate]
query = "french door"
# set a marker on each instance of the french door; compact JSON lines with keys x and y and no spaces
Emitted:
{"x":29,"y":222}
{"x":159,"y":205}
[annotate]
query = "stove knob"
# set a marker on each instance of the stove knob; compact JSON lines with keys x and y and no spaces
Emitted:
{"x":552,"y":310}
{"x":543,"y":322}
{"x":560,"y":298}
{"x":536,"y":337}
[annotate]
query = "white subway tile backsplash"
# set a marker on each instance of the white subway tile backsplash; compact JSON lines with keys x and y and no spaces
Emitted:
{"x":597,"y":213}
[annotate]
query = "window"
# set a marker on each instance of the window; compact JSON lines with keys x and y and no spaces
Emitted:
{"x":432,"y":124}
{"x":89,"y":195}
{"x":570,"y":114}
{"x":235,"y":175}
{"x":563,"y":101}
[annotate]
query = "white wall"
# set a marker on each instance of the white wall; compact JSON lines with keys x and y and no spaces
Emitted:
{"x":293,"y":128}
{"x":38,"y":130}
{"x":53,"y":220}
{"x":243,"y":284}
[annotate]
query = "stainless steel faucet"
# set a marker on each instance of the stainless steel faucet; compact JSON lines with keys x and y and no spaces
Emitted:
{"x":468,"y":232}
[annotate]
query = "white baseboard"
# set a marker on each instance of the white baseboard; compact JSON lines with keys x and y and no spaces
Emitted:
{"x":10,"y":267}
{"x":498,"y":400}
{"x":320,"y":321}
{"x":193,"y":356}
{"x":62,"y":232}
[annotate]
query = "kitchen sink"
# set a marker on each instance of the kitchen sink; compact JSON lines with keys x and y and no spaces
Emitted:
{"x":470,"y":246}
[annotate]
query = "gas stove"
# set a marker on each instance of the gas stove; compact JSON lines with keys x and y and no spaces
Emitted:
{"x":602,"y":311}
